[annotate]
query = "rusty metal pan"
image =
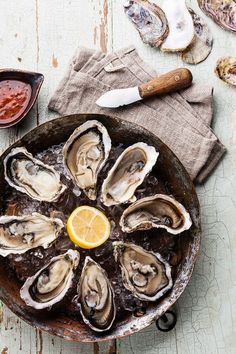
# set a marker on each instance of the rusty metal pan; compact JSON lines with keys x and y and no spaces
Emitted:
{"x":170,"y":170}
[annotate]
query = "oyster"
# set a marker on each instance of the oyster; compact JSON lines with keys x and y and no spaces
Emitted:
{"x":85,"y":154}
{"x":144,"y":273}
{"x":223,"y":12}
{"x":51,"y":283}
{"x":149,"y":20}
{"x":202,"y":43}
{"x":97,"y":305}
{"x":180,"y":22}
{"x":158,"y":211}
{"x":18,"y":234}
{"x":31,"y":176}
{"x":226,"y":70}
{"x":129,"y":171}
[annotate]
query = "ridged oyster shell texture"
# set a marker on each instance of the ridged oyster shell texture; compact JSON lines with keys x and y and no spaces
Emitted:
{"x":223,"y":12}
{"x":226,"y":70}
{"x":202,"y":44}
{"x":149,"y":20}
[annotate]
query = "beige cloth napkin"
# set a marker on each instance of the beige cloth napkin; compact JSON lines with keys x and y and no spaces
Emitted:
{"x":181,"y":120}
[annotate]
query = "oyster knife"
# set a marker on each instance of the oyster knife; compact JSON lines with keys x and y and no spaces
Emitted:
{"x":172,"y":81}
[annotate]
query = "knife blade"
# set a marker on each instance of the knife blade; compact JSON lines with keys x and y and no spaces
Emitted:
{"x":172,"y":81}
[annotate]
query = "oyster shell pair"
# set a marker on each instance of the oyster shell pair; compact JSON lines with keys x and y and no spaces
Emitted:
{"x":173,"y":28}
{"x":85,"y":154}
{"x":170,"y":27}
{"x":51,"y":283}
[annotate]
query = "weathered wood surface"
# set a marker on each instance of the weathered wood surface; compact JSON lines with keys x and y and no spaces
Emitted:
{"x":42,"y":35}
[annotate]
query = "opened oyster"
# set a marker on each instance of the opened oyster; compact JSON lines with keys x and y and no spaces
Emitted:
{"x":158,"y":211}
{"x":223,"y":12}
{"x":51,"y":283}
{"x":31,"y":176}
{"x":18,"y":234}
{"x":180,"y":22}
{"x":144,"y":273}
{"x":85,"y":153}
{"x":129,"y":171}
{"x":149,"y":20}
{"x":96,"y":294}
{"x":202,"y":44}
{"x":226,"y":70}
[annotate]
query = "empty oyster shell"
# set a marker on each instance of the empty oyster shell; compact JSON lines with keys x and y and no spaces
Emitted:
{"x":223,"y":12}
{"x":129,"y":171}
{"x":18,"y":234}
{"x":85,"y":153}
{"x":158,"y":211}
{"x":51,"y":283}
{"x":96,"y":294}
{"x":149,"y":20}
{"x":144,"y":273}
{"x":31,"y":176}
{"x":202,"y":44}
{"x":226,"y":70}
{"x":180,"y":22}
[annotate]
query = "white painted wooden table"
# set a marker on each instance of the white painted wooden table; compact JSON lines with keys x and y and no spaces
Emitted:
{"x":42,"y":35}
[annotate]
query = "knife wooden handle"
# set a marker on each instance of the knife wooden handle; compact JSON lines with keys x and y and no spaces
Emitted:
{"x":172,"y":81}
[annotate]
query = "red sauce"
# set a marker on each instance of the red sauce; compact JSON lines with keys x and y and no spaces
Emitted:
{"x":14,"y":98}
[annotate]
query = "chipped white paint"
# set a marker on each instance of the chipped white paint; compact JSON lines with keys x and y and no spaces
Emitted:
{"x":42,"y":35}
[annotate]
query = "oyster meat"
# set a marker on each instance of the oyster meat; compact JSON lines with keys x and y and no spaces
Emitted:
{"x":158,"y":211}
{"x":31,"y":176}
{"x":223,"y":12}
{"x":202,"y":43}
{"x":18,"y":234}
{"x":144,"y":273}
{"x":129,"y":171}
{"x":181,"y":28}
{"x":85,"y":153}
{"x":97,"y":305}
{"x":51,"y":283}
{"x":226,"y":70}
{"x":149,"y":20}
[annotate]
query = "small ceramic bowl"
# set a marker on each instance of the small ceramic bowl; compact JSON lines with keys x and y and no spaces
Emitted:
{"x":35,"y":80}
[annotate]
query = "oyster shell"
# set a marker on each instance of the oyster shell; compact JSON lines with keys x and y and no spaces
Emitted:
{"x":180,"y":22}
{"x":201,"y":47}
{"x":97,"y":305}
{"x":226,"y":70}
{"x":158,"y":211}
{"x":223,"y":12}
{"x":149,"y":20}
{"x":18,"y":234}
{"x":144,"y":273}
{"x":51,"y":283}
{"x":85,"y":154}
{"x":31,"y":176}
{"x":129,"y":171}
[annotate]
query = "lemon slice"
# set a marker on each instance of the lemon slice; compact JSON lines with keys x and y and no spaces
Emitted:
{"x":88,"y":227}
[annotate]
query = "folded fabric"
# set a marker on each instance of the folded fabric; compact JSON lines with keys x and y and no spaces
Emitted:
{"x":181,"y":120}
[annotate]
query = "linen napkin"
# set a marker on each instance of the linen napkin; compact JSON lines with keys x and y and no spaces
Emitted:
{"x":181,"y":120}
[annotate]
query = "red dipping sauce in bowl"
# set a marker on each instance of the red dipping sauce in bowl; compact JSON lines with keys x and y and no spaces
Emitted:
{"x":14,"y":98}
{"x":19,"y":90}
